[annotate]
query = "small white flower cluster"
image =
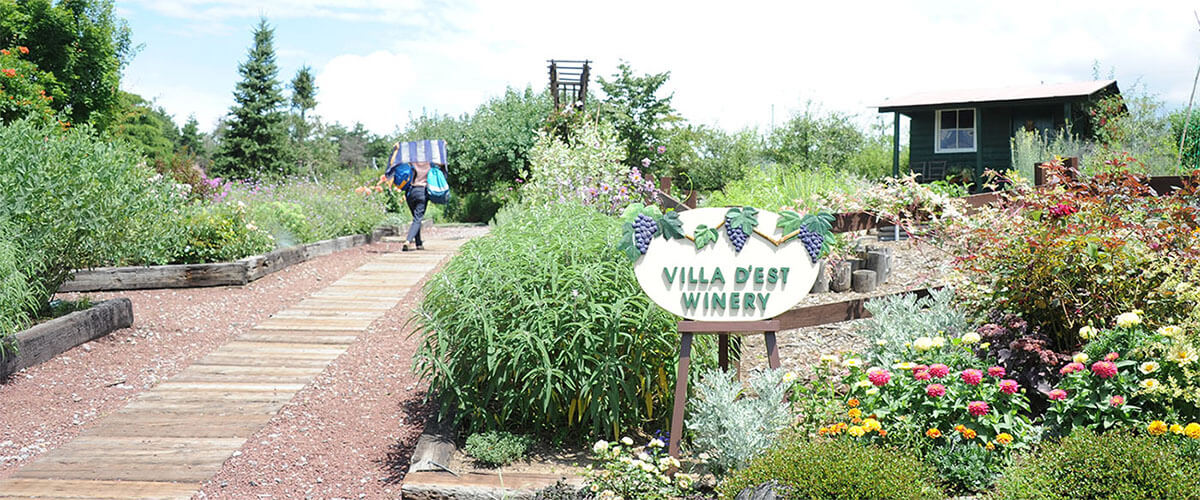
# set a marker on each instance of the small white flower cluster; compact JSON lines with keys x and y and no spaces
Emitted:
{"x":628,"y":469}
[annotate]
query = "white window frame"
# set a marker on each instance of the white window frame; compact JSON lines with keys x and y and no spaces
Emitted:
{"x":937,"y":130}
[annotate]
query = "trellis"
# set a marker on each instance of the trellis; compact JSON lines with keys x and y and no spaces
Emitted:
{"x":568,"y":83}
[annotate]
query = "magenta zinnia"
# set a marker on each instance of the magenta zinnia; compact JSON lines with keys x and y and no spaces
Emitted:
{"x":972,"y":376}
{"x":935,"y":390}
{"x":977,"y":408}
{"x":1104,"y":369}
{"x":1009,"y":386}
{"x":996,"y":371}
{"x":879,"y":377}
{"x":1071,"y":368}
{"x":1116,"y":401}
{"x":939,"y":370}
{"x":1057,"y":395}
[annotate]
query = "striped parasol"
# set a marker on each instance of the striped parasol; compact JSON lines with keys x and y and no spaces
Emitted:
{"x":432,"y":151}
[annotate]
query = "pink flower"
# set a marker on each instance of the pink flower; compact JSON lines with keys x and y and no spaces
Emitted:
{"x":1009,"y":386}
{"x":1071,"y":368}
{"x":920,"y":368}
{"x":662,"y":149}
{"x":935,"y":390}
{"x":1112,"y":356}
{"x":996,"y":371}
{"x":1116,"y":401}
{"x":977,"y":408}
{"x":922,"y":375}
{"x":645,"y":162}
{"x":879,"y":377}
{"x":939,"y":370}
{"x":972,"y":376}
{"x":1104,"y":369}
{"x":1057,"y":395}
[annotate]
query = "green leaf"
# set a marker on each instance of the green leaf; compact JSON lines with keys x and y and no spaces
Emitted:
{"x":631,"y":212}
{"x":704,"y":236}
{"x":789,"y":221}
{"x":670,"y":227}
{"x":745,"y":218}
{"x":627,"y":245}
{"x":819,"y":223}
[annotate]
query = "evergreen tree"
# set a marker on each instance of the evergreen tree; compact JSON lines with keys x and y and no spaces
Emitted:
{"x":256,"y":143}
{"x":190,"y":137}
{"x":304,"y":91}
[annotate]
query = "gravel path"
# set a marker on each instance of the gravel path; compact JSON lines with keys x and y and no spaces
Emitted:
{"x":365,"y":405}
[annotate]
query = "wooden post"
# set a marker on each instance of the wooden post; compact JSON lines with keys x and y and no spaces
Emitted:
{"x":691,"y":199}
{"x":723,"y":329}
{"x":664,"y":184}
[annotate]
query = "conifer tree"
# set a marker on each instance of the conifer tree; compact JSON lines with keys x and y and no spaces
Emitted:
{"x":256,"y":143}
{"x":189,"y":136}
{"x":304,"y":90}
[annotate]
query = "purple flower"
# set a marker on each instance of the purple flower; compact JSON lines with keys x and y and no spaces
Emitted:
{"x":662,"y":149}
{"x":645,"y":162}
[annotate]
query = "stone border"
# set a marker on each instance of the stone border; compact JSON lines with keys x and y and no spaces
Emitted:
{"x":47,"y":340}
{"x":239,"y":272}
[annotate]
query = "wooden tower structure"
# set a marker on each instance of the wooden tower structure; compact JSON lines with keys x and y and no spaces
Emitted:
{"x":568,"y":83}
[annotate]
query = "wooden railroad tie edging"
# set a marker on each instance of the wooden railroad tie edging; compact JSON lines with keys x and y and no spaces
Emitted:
{"x":47,"y":340}
{"x":239,"y":272}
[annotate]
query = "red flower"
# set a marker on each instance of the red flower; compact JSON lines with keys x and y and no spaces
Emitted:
{"x":996,"y":371}
{"x":879,"y":377}
{"x":1116,"y":401}
{"x":972,"y":376}
{"x":939,"y":370}
{"x":4,"y":52}
{"x":9,"y":72}
{"x":23,"y":49}
{"x":922,"y":375}
{"x":935,"y":390}
{"x":1071,"y":368}
{"x":977,"y":408}
{"x":1104,"y":369}
{"x":1009,"y":386}
{"x":1057,"y":395}
{"x":1112,"y":356}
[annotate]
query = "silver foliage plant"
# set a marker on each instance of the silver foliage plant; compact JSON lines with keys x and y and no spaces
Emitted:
{"x":898,"y":320}
{"x":732,"y":424}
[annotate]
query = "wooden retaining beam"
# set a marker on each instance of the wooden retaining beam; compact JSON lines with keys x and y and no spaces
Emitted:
{"x":47,"y":340}
{"x":239,"y":272}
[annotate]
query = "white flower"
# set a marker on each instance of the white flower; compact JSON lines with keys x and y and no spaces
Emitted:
{"x":829,"y":359}
{"x":971,"y":338}
{"x":1080,"y":357}
{"x":601,"y":446}
{"x":922,"y":344}
{"x":880,"y":342}
{"x":789,"y":377}
{"x":1170,"y":331}
{"x":656,"y":443}
{"x":626,"y":441}
{"x":939,"y":342}
{"x":1149,"y":384}
{"x":863,"y":383}
{"x":1087,"y":332}
{"x":872,"y":391}
{"x":852,"y":363}
{"x":1129,"y":319}
{"x":1148,"y":367}
{"x":645,"y":457}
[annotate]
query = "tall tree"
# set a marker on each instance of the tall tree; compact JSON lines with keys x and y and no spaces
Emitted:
{"x":304,"y":90}
{"x":82,"y":43}
{"x":633,"y":106}
{"x":190,"y":137}
{"x":256,"y":143}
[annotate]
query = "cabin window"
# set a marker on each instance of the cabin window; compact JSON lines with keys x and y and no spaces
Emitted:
{"x":955,"y":131}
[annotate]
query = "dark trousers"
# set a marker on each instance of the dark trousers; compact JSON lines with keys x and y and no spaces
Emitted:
{"x":417,"y":199}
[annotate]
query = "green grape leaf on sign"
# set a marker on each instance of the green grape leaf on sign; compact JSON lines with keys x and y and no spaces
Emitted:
{"x":627,"y":244}
{"x":670,"y":227}
{"x":790,"y":221}
{"x":819,"y":223}
{"x":744,"y":218}
{"x":705,"y":236}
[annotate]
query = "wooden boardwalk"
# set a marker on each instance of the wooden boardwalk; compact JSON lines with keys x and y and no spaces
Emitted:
{"x":171,"y":438}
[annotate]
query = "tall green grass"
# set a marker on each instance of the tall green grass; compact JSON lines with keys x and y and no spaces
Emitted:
{"x":777,"y":187}
{"x":541,"y":326}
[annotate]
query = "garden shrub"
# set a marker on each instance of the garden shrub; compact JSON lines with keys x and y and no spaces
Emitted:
{"x":733,"y":425}
{"x":497,"y":447}
{"x":541,"y":326}
{"x":74,"y":200}
{"x":586,"y":168}
{"x":836,"y":469}
{"x":626,"y":471}
{"x":899,"y":322}
{"x":17,"y":299}
{"x":222,"y":233}
{"x":1116,"y":465}
{"x":779,"y":187}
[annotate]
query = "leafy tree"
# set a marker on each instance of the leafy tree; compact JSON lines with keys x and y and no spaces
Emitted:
{"x":147,"y":128}
{"x":23,"y":88}
{"x":190,"y":137}
{"x":82,"y":43}
{"x":706,"y":158}
{"x":634,"y":107}
{"x":812,"y":139}
{"x":256,"y":142}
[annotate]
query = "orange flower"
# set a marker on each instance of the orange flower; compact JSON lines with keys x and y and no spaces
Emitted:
{"x":1004,"y":438}
{"x":969,"y":434}
{"x":23,"y":49}
{"x":856,"y":420}
{"x":4,"y":52}
{"x":9,"y":72}
{"x":855,"y":413}
{"x":853,"y":403}
{"x":960,"y":427}
{"x":933,"y":433}
{"x":990,"y":447}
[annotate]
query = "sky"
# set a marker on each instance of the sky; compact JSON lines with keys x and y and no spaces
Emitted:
{"x":738,"y":64}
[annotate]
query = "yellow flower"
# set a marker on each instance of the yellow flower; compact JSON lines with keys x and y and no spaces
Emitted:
{"x":903,"y":366}
{"x":1182,"y":354}
{"x":856,"y":431}
{"x":933,"y":433}
{"x":1157,"y":428}
{"x":1149,"y":384}
{"x":970,"y":338}
{"x":871,"y":424}
{"x":829,"y":358}
{"x":1148,"y":367}
{"x":1176,"y":429}
{"x":969,"y":433}
{"x":1170,"y":331}
{"x":1087,"y":332}
{"x":939,"y":342}
{"x":1192,"y":430}
{"x":855,"y":413}
{"x":923,"y":344}
{"x":852,"y":363}
{"x":1079,"y":357}
{"x":789,"y":377}
{"x":1129,"y":319}
{"x":1004,"y":438}
{"x":990,"y":446}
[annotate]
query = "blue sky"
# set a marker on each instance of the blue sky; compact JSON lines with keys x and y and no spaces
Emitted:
{"x":379,"y":61}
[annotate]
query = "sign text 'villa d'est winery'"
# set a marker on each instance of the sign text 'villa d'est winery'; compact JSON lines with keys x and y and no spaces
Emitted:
{"x":708,"y":280}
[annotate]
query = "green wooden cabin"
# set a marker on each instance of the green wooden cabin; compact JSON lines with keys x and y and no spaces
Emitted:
{"x":970,"y":130}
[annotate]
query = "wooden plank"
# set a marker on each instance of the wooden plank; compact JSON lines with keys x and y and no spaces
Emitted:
{"x":835,"y":312}
{"x":183,"y":426}
{"x":230,"y":387}
{"x":288,"y":336}
{"x":314,"y":323}
{"x":728,"y":326}
{"x":47,"y":340}
{"x":139,"y":472}
{"x":213,"y":398}
{"x":171,"y":276}
{"x":244,"y":359}
{"x":204,"y":407}
{"x":76,"y":489}
{"x":301,"y":312}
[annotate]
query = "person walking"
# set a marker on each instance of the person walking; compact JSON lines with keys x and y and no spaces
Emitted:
{"x":417,"y":199}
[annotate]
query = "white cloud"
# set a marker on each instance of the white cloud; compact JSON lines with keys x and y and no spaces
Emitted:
{"x":373,"y":89}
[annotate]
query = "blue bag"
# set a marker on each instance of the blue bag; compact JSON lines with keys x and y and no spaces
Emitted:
{"x":437,"y":188}
{"x":401,"y":175}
